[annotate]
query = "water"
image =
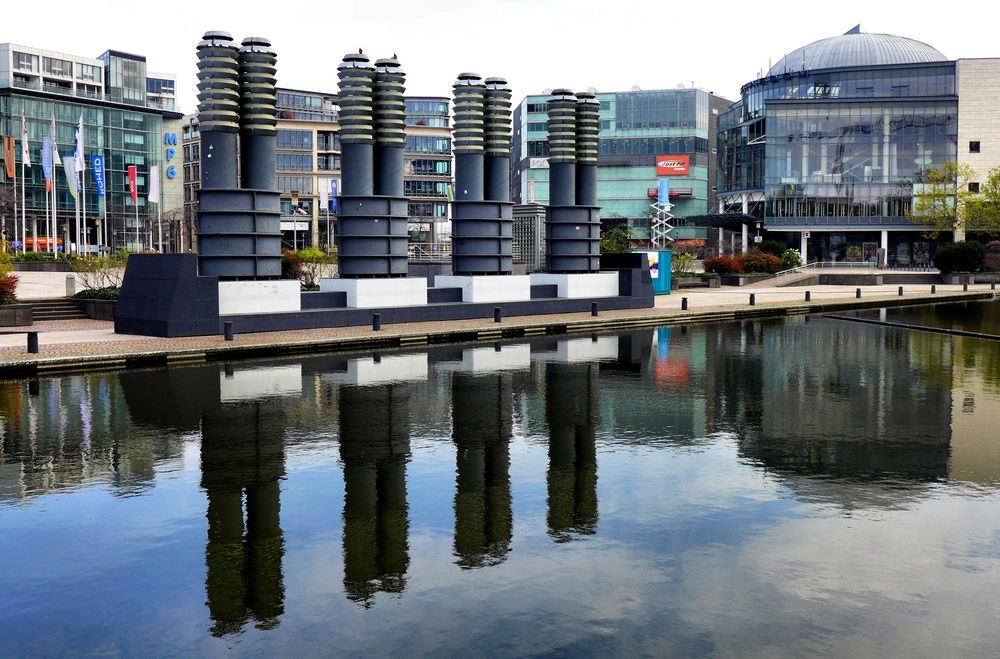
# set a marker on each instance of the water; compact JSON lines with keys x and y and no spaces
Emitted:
{"x":788,"y":487}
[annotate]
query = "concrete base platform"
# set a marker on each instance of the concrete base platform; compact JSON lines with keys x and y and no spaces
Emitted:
{"x":378,"y":293}
{"x":270,"y":296}
{"x":579,"y":285}
{"x":489,"y":288}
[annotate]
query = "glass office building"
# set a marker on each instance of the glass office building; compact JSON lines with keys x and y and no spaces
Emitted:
{"x":119,"y":123}
{"x":637,"y":128}
{"x":829,"y":148}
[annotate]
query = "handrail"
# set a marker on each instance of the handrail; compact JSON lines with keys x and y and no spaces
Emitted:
{"x":833,"y":265}
{"x":429,"y":252}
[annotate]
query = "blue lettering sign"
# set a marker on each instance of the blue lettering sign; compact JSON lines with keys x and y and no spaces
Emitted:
{"x":171,"y":152}
{"x":171,"y":171}
{"x":170,"y":138}
{"x":97,"y":166}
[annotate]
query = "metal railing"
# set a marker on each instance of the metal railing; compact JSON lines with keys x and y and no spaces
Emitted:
{"x":429,"y":252}
{"x":832,"y":265}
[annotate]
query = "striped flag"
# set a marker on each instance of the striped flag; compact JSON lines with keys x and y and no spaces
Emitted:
{"x":81,"y":162}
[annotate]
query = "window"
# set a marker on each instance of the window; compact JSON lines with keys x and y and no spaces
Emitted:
{"x":538,"y":107}
{"x":25,"y":61}
{"x":974,"y":147}
{"x":427,"y":144}
{"x":57,"y":67}
{"x":294,"y":139}
{"x":294,"y":162}
{"x":538,"y":149}
{"x":974,"y":187}
{"x":538,"y":126}
{"x":88,"y":72}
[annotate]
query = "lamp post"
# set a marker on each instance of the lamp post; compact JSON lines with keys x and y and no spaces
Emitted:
{"x":295,"y":222}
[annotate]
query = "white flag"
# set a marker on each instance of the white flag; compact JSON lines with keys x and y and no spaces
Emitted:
{"x":56,"y":160}
{"x":69,"y":167}
{"x":25,"y":151}
{"x":154,"y":185}
{"x":80,"y":160}
{"x":324,"y":194}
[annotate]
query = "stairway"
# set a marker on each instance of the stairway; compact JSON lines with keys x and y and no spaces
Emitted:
{"x":57,"y":309}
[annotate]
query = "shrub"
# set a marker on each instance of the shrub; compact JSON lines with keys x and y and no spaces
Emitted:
{"x":615,"y":240}
{"x":99,"y":272}
{"x":772,"y":247}
{"x":109,"y":293}
{"x":8,"y":288}
{"x":723,"y":265}
{"x":966,"y":256}
{"x":760,"y":262}
{"x":29,"y":256}
{"x":683,"y":263}
{"x":6,"y":264}
{"x":313,"y":264}
{"x":790,"y":258}
{"x":291,"y":267}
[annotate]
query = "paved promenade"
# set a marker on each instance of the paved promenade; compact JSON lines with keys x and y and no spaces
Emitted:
{"x":71,"y":344}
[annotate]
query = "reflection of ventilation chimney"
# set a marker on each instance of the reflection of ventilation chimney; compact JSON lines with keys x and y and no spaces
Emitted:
{"x":482,"y":215}
{"x":373,"y":237}
{"x":239,"y":232}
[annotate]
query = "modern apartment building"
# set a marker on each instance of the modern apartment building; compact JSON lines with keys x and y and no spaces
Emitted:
{"x":123,"y":120}
{"x":308,"y":160}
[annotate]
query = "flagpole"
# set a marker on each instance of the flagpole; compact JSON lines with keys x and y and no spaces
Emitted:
{"x":159,"y":226}
{"x":83,"y":188}
{"x":138,"y":240}
{"x":24,"y":213}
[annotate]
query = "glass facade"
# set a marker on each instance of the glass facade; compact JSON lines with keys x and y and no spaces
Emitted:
{"x":124,"y":137}
{"x":426,"y":112}
{"x":124,"y":77}
{"x":837,"y":147}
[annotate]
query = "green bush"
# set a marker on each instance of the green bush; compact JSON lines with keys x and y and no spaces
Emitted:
{"x":682,"y":263}
{"x":723,"y":265}
{"x":6,"y":264}
{"x":107,"y":293}
{"x":615,"y":240}
{"x":29,"y":256}
{"x":966,"y":256}
{"x":790,"y":258}
{"x":760,"y":262}
{"x":771,"y":247}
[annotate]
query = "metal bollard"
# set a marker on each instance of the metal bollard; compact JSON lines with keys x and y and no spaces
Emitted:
{"x":900,"y":291}
{"x":684,"y":304}
{"x":376,"y":322}
{"x":227,"y":330}
{"x":593,"y":308}
{"x":933,"y":289}
{"x":965,"y":287}
{"x":857,"y":293}
{"x":753,"y":299}
{"x":497,"y":314}
{"x":809,"y":296}
{"x":33,"y":342}
{"x":993,"y":285}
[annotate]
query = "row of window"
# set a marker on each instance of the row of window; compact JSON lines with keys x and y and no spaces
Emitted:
{"x":624,"y":146}
{"x":419,"y":188}
{"x":57,"y":67}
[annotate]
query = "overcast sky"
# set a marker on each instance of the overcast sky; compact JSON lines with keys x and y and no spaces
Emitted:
{"x":535,"y":44}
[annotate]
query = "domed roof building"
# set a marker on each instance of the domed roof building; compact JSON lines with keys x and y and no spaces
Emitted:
{"x":827,"y":151}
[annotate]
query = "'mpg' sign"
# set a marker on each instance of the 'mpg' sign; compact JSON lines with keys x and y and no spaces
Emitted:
{"x":170,"y":141}
{"x":673,"y":165}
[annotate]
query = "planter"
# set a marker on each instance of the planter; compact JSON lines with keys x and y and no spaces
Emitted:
{"x":42,"y":266}
{"x":15,"y":315}
{"x":693,"y":282}
{"x":743,"y":280}
{"x":100,"y":309}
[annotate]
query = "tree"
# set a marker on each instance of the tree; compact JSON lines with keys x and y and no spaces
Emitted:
{"x":940,"y":197}
{"x":983,"y":210}
{"x":615,"y":240}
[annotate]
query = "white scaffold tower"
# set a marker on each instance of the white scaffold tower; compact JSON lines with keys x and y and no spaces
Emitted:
{"x":661,"y":224}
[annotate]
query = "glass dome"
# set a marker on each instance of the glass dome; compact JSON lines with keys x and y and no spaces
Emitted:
{"x":856,"y":49}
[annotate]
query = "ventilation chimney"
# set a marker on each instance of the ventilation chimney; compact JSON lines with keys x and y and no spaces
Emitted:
{"x":218,"y":109}
{"x":257,"y":114}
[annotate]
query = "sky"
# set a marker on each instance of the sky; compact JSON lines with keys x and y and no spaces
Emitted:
{"x":536,"y":44}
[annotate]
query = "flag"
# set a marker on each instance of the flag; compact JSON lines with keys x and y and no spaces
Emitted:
{"x":56,"y":160}
{"x":449,"y":193}
{"x":25,"y":155}
{"x":8,"y":155}
{"x":98,"y":169}
{"x":324,"y":196}
{"x":132,"y":184}
{"x":81,"y":163}
{"x":333,"y":191}
{"x":47,"y":158}
{"x":69,"y":167}
{"x":154,"y":185}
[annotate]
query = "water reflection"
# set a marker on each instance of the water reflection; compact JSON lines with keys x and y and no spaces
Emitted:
{"x":753,"y":431}
{"x":374,"y":448}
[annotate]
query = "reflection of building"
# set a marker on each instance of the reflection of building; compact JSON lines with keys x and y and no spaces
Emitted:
{"x":975,"y":412}
{"x":128,"y":117}
{"x":308,"y":159}
{"x":571,"y":403}
{"x":638,"y":128}
{"x":482,"y":415}
{"x":374,"y":446}
{"x":830,"y":147}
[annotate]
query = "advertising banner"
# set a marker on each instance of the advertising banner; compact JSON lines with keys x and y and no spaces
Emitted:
{"x":673,"y":165}
{"x":333,"y":196}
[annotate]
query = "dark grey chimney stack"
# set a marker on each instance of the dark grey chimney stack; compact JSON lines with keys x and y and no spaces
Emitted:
{"x":588,"y":124}
{"x":497,"y":139}
{"x":218,"y":109}
{"x":258,"y":116}
{"x":562,"y":148}
{"x":390,"y":126}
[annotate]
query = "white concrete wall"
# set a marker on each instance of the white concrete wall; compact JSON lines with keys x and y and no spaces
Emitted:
{"x":489,"y":359}
{"x":580,"y":285}
{"x":245,"y":297}
{"x":978,"y":85}
{"x":254,"y":383}
{"x":488,"y":288}
{"x":379,"y":293}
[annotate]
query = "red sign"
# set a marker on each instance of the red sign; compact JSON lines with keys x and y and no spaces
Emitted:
{"x":131,"y":184}
{"x":673,"y":165}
